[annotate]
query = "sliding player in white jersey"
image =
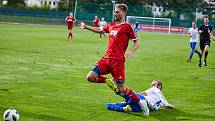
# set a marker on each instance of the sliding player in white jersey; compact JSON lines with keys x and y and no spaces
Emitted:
{"x":194,"y":35}
{"x":153,"y":96}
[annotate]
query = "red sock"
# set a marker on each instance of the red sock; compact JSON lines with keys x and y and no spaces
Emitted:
{"x":131,"y":94}
{"x":101,"y":79}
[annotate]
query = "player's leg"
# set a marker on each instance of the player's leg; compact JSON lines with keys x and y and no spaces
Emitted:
{"x":68,"y":27}
{"x":128,"y":92}
{"x":118,"y":74}
{"x":196,"y":51}
{"x":191,"y":52}
{"x":100,"y":36}
{"x":131,"y":106}
{"x":123,"y":107}
{"x":206,"y":52}
{"x":92,"y":76}
{"x":71,"y":33}
{"x":68,"y":35}
{"x":119,"y":77}
{"x":112,"y":86}
{"x":95,"y":74}
{"x":202,"y":46}
{"x":116,"y":106}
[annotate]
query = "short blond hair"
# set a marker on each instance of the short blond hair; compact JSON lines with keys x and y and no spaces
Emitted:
{"x":160,"y":84}
{"x":122,"y":7}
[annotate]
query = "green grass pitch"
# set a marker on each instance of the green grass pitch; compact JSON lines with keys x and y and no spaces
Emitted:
{"x":43,"y":76}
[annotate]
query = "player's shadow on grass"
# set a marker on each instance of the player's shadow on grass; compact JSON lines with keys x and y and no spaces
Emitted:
{"x":173,"y":115}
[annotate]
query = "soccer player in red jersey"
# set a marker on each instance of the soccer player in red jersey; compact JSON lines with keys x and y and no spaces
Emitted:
{"x":70,"y":22}
{"x":96,"y":21}
{"x":112,"y":62}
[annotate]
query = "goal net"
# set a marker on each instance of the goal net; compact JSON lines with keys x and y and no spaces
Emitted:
{"x":150,"y":24}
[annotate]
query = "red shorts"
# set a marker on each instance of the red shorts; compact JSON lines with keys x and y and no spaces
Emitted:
{"x":69,"y":27}
{"x":114,"y":66}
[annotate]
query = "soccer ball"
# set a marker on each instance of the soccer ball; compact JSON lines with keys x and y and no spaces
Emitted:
{"x":11,"y":115}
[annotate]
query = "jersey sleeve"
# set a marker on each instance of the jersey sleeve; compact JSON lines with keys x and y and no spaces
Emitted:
{"x":131,"y":33}
{"x":164,"y":102}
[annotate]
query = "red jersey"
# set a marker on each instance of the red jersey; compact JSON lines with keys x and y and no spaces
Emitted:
{"x":119,"y":36}
{"x":96,"y":22}
{"x":70,"y":20}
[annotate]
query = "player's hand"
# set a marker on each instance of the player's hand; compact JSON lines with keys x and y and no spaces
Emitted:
{"x":82,"y":24}
{"x":128,"y":54}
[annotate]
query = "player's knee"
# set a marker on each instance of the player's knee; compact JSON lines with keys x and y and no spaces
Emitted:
{"x":206,"y":49}
{"x":91,"y":78}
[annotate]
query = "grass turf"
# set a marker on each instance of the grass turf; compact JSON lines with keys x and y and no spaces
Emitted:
{"x":43,"y":76}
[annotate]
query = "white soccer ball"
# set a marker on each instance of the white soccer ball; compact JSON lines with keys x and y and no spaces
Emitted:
{"x":11,"y":115}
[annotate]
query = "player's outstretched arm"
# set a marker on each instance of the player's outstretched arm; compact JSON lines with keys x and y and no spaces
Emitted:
{"x":90,"y":28}
{"x":170,"y":106}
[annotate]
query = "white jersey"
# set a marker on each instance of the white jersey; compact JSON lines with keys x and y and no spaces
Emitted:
{"x":155,"y":98}
{"x":102,"y":24}
{"x":194,"y":34}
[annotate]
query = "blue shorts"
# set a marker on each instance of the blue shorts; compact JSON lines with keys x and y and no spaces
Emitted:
{"x":193,"y":45}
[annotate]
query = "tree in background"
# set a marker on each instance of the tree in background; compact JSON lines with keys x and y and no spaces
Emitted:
{"x":208,"y":9}
{"x":176,"y":8}
{"x":61,"y":5}
{"x":71,"y":6}
{"x":16,"y":3}
{"x":1,"y":3}
{"x":66,"y":5}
